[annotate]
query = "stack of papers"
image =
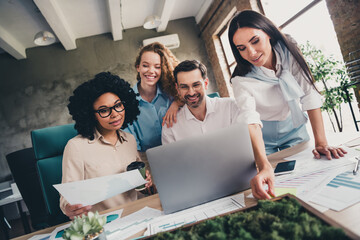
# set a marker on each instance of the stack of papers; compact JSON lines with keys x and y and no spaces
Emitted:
{"x":195,"y":214}
{"x":314,"y":180}
{"x":342,"y":191}
{"x":131,"y":224}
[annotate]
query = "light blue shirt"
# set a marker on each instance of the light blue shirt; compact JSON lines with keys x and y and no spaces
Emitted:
{"x":147,"y":128}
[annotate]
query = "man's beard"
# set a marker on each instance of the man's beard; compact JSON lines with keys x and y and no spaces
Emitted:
{"x":194,"y":104}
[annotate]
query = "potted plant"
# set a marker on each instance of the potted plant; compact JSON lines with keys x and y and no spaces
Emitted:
{"x":88,"y":227}
{"x":334,"y":78}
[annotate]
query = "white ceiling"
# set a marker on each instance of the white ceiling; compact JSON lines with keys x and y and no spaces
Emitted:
{"x":69,"y":20}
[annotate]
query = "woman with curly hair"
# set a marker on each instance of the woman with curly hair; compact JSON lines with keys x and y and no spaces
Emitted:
{"x":100,"y":107}
{"x":157,"y":94}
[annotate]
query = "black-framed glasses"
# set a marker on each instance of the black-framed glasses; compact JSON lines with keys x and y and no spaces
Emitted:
{"x":196,"y":87}
{"x":106,"y":111}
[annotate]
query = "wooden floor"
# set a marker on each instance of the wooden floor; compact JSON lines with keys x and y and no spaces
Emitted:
{"x":17,"y":229}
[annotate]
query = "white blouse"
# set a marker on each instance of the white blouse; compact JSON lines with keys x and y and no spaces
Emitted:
{"x":259,"y":100}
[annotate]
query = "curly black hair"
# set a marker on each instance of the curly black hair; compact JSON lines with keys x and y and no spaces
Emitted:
{"x":81,"y":103}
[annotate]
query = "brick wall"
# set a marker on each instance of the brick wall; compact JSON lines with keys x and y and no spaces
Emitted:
{"x":218,"y":15}
{"x":345,"y":15}
{"x":34,"y":92}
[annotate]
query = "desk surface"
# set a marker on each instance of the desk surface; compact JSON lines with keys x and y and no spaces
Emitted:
{"x":348,"y":218}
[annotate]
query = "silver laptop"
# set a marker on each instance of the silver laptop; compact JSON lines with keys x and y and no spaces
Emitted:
{"x":199,"y":169}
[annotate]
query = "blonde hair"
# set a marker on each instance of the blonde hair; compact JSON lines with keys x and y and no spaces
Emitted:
{"x":168,"y":64}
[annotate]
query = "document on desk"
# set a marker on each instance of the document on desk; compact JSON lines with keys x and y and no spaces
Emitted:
{"x":131,"y":224}
{"x":307,"y":183}
{"x":40,"y":237}
{"x":307,"y":154}
{"x":311,"y":177}
{"x":353,"y":143}
{"x":341,"y":192}
{"x":195,"y":214}
{"x":94,"y":190}
{"x":347,"y":139}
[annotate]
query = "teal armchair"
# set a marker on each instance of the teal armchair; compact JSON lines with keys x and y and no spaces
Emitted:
{"x":214,"y":94}
{"x":49,"y":144}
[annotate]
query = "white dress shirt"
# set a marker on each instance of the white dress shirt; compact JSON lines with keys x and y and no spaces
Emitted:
{"x":259,"y":100}
{"x":220,"y":113}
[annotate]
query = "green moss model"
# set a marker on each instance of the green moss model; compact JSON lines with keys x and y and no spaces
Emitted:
{"x":283,"y":219}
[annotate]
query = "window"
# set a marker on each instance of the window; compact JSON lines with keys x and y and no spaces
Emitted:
{"x":306,"y":20}
{"x":230,"y":60}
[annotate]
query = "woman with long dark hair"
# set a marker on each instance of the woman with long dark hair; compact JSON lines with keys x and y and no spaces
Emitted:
{"x":274,"y":87}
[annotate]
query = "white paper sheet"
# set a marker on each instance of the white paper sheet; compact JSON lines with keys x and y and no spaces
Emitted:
{"x":348,"y":139}
{"x":318,"y":207}
{"x":311,"y":176}
{"x":94,"y":190}
{"x":131,"y":224}
{"x":40,"y":237}
{"x":307,"y":154}
{"x":117,"y":212}
{"x":195,"y":214}
{"x":340,"y":192}
{"x":353,"y":143}
{"x":57,"y":232}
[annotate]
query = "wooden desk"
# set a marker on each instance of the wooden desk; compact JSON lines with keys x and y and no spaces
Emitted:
{"x":348,"y":218}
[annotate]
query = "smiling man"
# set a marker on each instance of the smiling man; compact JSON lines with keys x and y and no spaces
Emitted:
{"x":202,"y":114}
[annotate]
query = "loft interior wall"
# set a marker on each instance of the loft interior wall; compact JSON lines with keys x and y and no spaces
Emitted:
{"x":34,"y":92}
{"x":346,"y":20}
{"x":210,"y":25}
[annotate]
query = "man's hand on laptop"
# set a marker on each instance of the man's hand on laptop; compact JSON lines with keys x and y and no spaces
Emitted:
{"x":264,"y":176}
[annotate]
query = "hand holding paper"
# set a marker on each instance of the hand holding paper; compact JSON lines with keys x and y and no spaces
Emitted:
{"x":92,"y":191}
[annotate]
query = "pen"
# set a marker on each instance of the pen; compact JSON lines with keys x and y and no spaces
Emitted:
{"x":356,"y":166}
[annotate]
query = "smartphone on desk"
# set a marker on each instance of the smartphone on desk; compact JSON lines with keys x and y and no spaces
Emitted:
{"x":284,"y":167}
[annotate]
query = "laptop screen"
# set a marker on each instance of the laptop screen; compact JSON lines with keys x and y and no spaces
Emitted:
{"x":199,"y":169}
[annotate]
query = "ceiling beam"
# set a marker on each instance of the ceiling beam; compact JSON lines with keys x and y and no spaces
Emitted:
{"x":11,"y":45}
{"x":56,"y":19}
{"x":114,"y":10}
{"x":203,"y":10}
{"x":166,"y":11}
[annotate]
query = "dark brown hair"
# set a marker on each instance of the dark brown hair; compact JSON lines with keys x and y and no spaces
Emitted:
{"x":168,"y":63}
{"x":252,"y":19}
{"x":189,"y":65}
